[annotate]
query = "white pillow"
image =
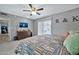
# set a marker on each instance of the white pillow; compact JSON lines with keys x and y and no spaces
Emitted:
{"x":73,"y":32}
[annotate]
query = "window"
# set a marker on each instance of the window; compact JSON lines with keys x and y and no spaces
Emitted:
{"x":44,"y":27}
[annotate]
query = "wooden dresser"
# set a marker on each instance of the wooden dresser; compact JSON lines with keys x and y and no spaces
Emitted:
{"x":23,"y":34}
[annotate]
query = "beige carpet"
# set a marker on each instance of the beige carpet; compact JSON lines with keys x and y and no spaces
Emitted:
{"x":7,"y":48}
{"x":4,"y":38}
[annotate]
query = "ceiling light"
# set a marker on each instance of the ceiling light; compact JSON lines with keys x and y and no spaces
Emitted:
{"x":33,"y":12}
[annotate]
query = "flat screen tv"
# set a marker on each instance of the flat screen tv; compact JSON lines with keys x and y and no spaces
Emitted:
{"x":23,"y":25}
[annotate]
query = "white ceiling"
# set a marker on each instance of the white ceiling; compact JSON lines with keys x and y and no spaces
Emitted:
{"x":49,"y":9}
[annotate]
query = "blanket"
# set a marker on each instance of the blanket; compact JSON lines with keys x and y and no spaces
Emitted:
{"x":42,"y":45}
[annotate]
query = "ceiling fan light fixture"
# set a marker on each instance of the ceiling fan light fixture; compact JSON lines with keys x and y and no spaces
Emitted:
{"x":33,"y":12}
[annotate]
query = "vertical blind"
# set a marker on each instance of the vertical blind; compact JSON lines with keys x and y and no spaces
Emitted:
{"x":44,"y":27}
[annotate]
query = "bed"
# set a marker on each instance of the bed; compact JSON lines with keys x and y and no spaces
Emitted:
{"x":42,"y":45}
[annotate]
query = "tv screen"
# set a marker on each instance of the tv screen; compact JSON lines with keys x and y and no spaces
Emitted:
{"x":23,"y":25}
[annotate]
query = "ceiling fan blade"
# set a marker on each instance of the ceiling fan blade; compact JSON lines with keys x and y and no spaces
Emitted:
{"x":30,"y":5}
{"x":37,"y":13}
{"x":40,"y":9}
{"x":26,"y":10}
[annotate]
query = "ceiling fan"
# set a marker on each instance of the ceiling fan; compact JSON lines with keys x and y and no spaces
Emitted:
{"x":34,"y":10}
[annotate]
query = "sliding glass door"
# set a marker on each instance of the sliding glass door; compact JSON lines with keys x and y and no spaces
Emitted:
{"x":44,"y":27}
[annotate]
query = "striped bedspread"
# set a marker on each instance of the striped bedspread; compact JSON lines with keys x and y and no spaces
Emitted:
{"x":42,"y":45}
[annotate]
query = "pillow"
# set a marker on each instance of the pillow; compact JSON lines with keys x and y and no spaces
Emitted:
{"x":66,"y":34}
{"x":72,"y":43}
{"x":73,"y":32}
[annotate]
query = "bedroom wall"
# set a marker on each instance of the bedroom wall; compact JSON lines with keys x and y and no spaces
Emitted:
{"x":14,"y":23}
{"x":61,"y":27}
{"x":35,"y":27}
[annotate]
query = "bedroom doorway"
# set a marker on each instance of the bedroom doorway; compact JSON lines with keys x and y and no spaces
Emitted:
{"x":44,"y":27}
